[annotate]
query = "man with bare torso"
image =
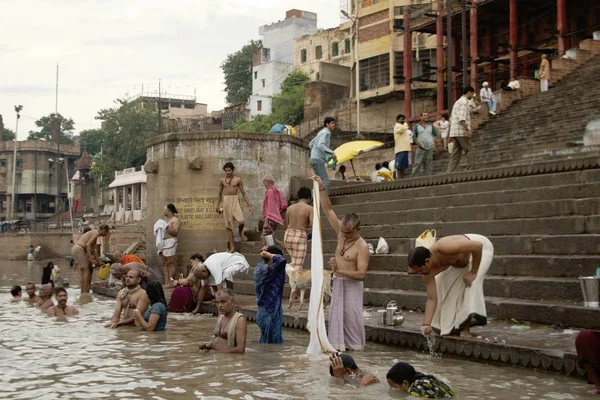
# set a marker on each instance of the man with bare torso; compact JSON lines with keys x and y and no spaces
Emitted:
{"x":168,"y":249}
{"x":85,"y":254}
{"x":453,"y":270}
{"x":131,"y":297}
{"x":350,"y":264}
{"x":30,"y":289}
{"x":61,"y":309}
{"x":46,"y":297}
{"x":299,"y":218}
{"x":230,"y":333}
{"x":231,"y":210}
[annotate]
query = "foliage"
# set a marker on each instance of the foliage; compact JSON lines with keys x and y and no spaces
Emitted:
{"x":8,"y":135}
{"x":288,"y":106}
{"x":237,"y":69}
{"x":125,"y":128}
{"x":92,"y":140}
{"x":45,"y":125}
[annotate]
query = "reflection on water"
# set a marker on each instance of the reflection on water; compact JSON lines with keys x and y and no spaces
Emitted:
{"x":79,"y":358}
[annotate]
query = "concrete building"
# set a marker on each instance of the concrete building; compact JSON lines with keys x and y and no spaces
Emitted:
{"x":275,"y":60}
{"x":41,"y":178}
{"x":128,"y":196}
{"x":177,"y":106}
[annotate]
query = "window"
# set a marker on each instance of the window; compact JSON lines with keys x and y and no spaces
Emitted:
{"x":319,"y":52}
{"x":175,"y":105}
{"x":318,"y":78}
{"x":398,"y":68}
{"x":398,"y":24}
{"x":375,"y":72}
{"x":255,"y":74}
{"x":2,"y":163}
{"x":263,"y":82}
{"x":303,"y":56}
{"x":190,"y":106}
{"x":347,"y":45}
{"x":266,"y":55}
{"x":164,"y":105}
{"x":259,"y":105}
{"x":398,"y":11}
{"x":335,"y":49}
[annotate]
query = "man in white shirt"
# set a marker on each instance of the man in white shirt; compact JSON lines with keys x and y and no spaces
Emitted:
{"x":402,"y":147}
{"x":487,"y":96}
{"x":219,"y":269}
{"x":443,"y":127}
{"x":513,"y":85}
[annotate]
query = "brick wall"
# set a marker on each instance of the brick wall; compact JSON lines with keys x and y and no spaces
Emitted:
{"x":378,"y":16}
{"x":374,"y":32}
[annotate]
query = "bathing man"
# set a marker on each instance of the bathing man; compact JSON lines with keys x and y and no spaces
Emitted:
{"x":131,"y":297}
{"x":61,"y":308}
{"x":46,"y":297}
{"x":231,"y":210}
{"x":85,"y":254}
{"x":453,"y":270}
{"x":30,"y":289}
{"x":230,"y":333}
{"x":168,"y":249}
{"x":299,"y":218}
{"x":350,"y":264}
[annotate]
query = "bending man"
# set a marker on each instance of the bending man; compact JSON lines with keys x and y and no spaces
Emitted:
{"x":453,"y":271}
{"x":85,"y":255}
{"x":218,"y":270}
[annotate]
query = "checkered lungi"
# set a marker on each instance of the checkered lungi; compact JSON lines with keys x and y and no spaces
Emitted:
{"x":295,"y":241}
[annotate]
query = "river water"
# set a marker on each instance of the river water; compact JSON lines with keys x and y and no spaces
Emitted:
{"x":79,"y":358}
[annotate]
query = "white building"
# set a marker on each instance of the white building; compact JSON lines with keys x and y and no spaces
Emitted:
{"x":128,"y":195}
{"x":275,"y":61}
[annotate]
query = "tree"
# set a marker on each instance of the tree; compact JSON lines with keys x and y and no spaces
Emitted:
{"x":8,"y":135}
{"x":45,"y":132}
{"x":237,"y":69}
{"x":92,"y":140}
{"x":125,"y":128}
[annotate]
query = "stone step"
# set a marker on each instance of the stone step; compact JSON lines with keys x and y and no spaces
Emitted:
{"x":526,"y":226}
{"x":568,"y":313}
{"x":539,"y":266}
{"x":541,"y":245}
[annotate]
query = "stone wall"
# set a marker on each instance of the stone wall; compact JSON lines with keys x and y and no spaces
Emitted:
{"x":194,"y":191}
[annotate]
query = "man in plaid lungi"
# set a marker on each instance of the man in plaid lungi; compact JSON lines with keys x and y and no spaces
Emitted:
{"x":299,"y":218}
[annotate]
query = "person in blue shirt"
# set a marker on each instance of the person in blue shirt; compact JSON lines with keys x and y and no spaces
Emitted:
{"x":155,"y":319}
{"x":320,"y":151}
{"x":269,"y":278}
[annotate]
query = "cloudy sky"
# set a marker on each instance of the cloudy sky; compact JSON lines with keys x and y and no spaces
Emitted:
{"x":108,"y":48}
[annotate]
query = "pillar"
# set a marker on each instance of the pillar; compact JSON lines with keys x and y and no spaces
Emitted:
{"x":513,"y":38}
{"x":124,"y":201}
{"x":439,"y":56}
{"x":134,"y":194}
{"x":474,"y":26}
{"x":561,"y":22}
{"x":407,"y":66}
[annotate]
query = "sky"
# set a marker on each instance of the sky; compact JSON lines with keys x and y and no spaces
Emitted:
{"x":108,"y":49}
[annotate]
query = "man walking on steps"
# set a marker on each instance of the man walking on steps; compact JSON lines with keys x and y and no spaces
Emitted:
{"x":320,"y":151}
{"x":460,"y":131}
{"x":424,"y":134}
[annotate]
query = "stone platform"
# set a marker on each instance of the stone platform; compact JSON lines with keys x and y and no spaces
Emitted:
{"x":530,"y":346}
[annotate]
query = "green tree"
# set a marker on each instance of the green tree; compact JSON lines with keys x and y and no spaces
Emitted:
{"x":8,"y":135}
{"x":125,"y":128}
{"x":237,"y":69}
{"x":92,"y":140}
{"x":45,"y":124}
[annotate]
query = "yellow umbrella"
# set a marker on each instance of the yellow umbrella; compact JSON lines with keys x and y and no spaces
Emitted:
{"x":351,"y":150}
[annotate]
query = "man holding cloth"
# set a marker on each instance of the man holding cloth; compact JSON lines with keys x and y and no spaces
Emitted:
{"x":423,"y":133}
{"x":273,"y":205}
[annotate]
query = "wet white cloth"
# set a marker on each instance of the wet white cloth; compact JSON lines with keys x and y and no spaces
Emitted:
{"x":457,"y":303}
{"x":319,"y":343}
{"x":224,"y":266}
{"x":168,"y":248}
{"x":160,"y":228}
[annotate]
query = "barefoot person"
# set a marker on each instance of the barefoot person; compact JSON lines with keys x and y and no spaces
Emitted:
{"x":130,"y":298}
{"x":298,"y":218}
{"x":453,"y":270}
{"x":350,"y":264}
{"x":32,"y":297}
{"x":61,"y":309}
{"x":168,"y":246}
{"x":344,"y":368}
{"x":46,"y":297}
{"x":218,"y":270}
{"x":587,"y":344}
{"x":155,"y":319}
{"x":126,"y":259}
{"x":231,"y":210}
{"x":230,"y":333}
{"x":119,"y":272}
{"x":269,"y":279}
{"x":273,"y":205}
{"x":85,"y":254}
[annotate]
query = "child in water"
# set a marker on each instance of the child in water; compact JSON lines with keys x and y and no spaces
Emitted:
{"x":403,"y":376}
{"x":16,"y":291}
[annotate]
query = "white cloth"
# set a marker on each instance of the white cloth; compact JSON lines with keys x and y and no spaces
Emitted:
{"x":514,"y":85}
{"x":319,"y":343}
{"x":457,"y":303}
{"x":224,"y":266}
{"x":168,"y":248}
{"x":485,"y":94}
{"x":444,"y":129}
{"x":159,"y":232}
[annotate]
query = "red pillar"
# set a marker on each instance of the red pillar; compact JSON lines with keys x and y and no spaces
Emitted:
{"x":487,"y":51}
{"x":439,"y":55}
{"x":407,"y":66}
{"x":474,"y":25}
{"x":514,"y":37}
{"x":561,"y":22}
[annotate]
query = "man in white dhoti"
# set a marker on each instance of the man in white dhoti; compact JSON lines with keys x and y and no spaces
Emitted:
{"x":219,"y":269}
{"x":350,"y":264}
{"x":453,"y":270}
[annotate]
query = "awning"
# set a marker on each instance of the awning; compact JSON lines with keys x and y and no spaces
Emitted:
{"x":129,"y":179}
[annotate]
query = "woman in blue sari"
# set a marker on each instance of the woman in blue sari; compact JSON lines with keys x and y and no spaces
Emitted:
{"x":269,"y":278}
